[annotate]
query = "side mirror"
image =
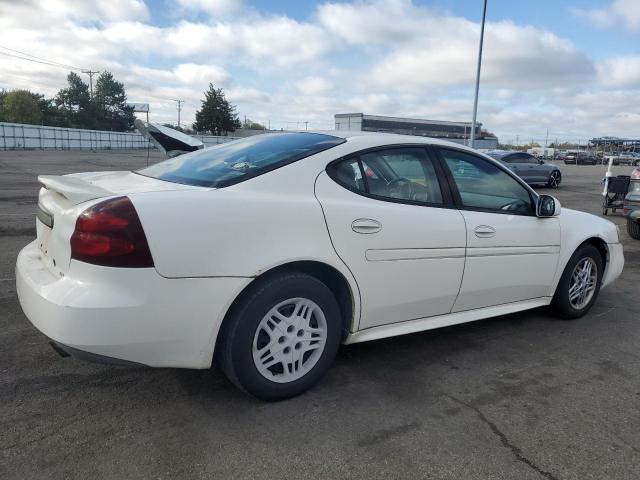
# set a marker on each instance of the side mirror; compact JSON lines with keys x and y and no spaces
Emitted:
{"x":547,"y":206}
{"x":540,"y":161}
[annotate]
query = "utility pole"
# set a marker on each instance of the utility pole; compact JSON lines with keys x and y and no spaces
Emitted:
{"x":517,"y":140}
{"x":305,"y":125}
{"x":475,"y":99}
{"x":179,"y":102}
{"x":546,"y":140}
{"x":91,"y":73}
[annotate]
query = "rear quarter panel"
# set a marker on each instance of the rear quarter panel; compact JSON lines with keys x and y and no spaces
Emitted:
{"x":241,"y":230}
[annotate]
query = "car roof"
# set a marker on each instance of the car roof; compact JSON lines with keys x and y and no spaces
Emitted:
{"x":374,"y":139}
{"x":502,"y":153}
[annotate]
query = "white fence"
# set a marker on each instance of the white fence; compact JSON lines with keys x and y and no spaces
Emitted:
{"x":17,"y":136}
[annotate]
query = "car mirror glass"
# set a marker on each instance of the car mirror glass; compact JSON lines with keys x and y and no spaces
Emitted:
{"x":547,"y":206}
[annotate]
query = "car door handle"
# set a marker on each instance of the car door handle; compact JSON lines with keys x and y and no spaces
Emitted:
{"x":366,"y":225}
{"x":484,"y":231}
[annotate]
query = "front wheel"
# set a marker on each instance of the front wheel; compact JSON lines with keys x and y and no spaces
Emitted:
{"x":554,"y":179}
{"x":633,"y":228}
{"x":580,"y":283}
{"x":283,"y":336}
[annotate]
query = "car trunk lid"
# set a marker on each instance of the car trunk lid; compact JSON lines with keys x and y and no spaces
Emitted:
{"x":63,"y":198}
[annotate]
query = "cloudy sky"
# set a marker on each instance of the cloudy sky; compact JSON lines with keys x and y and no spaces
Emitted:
{"x":569,"y":66}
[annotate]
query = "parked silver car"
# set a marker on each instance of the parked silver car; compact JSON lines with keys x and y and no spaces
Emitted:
{"x":531,"y":169}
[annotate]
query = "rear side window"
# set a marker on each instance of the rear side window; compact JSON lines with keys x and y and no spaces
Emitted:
{"x":240,"y":160}
{"x":398,"y":174}
{"x":349,"y":174}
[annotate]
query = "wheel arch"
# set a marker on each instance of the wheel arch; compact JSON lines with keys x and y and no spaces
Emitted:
{"x":601,"y":246}
{"x":346,"y":294}
{"x":596,"y":241}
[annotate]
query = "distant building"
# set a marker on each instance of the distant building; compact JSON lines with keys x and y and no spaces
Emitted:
{"x":458,"y":132}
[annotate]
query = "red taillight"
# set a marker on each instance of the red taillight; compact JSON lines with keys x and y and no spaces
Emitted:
{"x":110,"y":234}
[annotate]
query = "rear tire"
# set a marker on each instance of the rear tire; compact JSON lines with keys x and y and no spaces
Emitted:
{"x":580,"y":283}
{"x":267,"y":344}
{"x":633,"y":228}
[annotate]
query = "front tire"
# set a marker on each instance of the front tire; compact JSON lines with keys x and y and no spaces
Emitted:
{"x":282,"y":337}
{"x":633,"y":228}
{"x":555,"y":178}
{"x":580,"y":283}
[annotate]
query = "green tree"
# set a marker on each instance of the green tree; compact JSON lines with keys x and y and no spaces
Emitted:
{"x":216,"y":115}
{"x":75,"y":103}
{"x":250,"y":124}
{"x":110,"y":102}
{"x":21,"y":106}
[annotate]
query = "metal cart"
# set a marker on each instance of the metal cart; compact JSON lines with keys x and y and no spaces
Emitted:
{"x":615,"y":189}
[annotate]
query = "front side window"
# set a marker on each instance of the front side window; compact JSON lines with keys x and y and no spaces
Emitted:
{"x":239,"y":160}
{"x":399,"y":173}
{"x":482,"y":185}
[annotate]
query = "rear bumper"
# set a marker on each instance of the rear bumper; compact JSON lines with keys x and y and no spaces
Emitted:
{"x":615,"y":263}
{"x":134,"y":315}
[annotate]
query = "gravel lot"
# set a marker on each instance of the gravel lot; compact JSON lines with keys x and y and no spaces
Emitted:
{"x":522,"y":396}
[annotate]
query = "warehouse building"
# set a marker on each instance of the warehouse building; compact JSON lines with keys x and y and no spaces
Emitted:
{"x":458,"y":132}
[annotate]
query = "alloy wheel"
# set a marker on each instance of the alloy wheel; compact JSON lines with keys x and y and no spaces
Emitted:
{"x":289,"y":340}
{"x":554,"y":179}
{"x":583,"y":283}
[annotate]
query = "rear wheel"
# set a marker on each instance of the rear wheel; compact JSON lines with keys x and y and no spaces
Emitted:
{"x":283,"y":337}
{"x":580,"y":283}
{"x":555,"y":178}
{"x":633,"y":228}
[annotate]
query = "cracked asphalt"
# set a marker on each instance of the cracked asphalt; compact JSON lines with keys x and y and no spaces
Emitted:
{"x":522,"y":396}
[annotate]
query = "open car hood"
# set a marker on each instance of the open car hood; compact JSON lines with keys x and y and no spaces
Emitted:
{"x":168,"y":140}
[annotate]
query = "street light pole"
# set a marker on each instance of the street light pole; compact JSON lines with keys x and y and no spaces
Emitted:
{"x":475,"y":100}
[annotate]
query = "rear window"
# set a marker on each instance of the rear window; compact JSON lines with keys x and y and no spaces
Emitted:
{"x":240,"y":160}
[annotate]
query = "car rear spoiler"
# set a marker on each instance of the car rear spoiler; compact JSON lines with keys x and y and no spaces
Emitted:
{"x":169,"y":141}
{"x":73,"y":189}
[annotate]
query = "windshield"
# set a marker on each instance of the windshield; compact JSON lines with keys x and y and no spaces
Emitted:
{"x":238,"y":160}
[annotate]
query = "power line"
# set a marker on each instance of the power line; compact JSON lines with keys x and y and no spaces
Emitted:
{"x":36,"y":59}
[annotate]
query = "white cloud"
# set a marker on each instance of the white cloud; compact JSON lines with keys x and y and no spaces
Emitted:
{"x":381,"y":57}
{"x":625,"y":12}
{"x":271,"y":42}
{"x":620,"y":72}
{"x":444,"y":54}
{"x":597,"y":17}
{"x":103,"y":10}
{"x":312,"y":85}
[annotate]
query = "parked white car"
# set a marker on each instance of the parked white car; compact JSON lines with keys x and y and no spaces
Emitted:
{"x":266,"y":253}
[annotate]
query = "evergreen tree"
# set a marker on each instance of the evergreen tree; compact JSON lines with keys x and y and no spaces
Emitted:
{"x":75,"y":103}
{"x":216,"y":115}
{"x":110,"y":103}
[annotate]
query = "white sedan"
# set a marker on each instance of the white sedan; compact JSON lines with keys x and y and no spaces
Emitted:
{"x":264,"y":254}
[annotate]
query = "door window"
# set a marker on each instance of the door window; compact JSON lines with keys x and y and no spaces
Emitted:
{"x":482,"y":185}
{"x":400,"y":174}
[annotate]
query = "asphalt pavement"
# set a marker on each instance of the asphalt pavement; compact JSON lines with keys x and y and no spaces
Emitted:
{"x":523,"y":396}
